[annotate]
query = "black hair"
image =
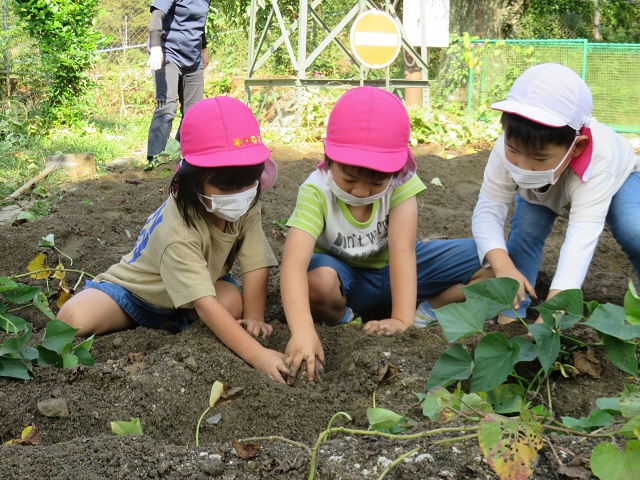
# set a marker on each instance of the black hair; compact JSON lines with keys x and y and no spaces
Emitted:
{"x":534,"y":137}
{"x":187,"y":181}
{"x":368,"y":173}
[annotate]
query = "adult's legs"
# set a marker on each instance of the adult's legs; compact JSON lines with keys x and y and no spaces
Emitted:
{"x":190,"y":91}
{"x":166,"y":84}
{"x":623,"y":219}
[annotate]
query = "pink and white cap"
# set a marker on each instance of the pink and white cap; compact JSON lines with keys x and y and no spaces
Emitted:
{"x":369,"y":127}
{"x":223,"y":132}
{"x":550,"y":94}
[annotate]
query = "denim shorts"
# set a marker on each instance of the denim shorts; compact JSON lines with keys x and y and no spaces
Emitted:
{"x":440,"y":265}
{"x":145,"y":314}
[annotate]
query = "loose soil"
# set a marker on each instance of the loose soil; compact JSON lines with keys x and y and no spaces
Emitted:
{"x":164,"y":379}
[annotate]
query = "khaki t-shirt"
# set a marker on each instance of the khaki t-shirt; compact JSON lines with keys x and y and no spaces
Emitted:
{"x":171,"y":264}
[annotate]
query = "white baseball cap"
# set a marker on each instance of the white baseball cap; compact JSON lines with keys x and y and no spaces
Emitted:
{"x":550,"y":94}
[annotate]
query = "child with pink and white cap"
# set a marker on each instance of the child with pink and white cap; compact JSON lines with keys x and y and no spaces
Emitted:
{"x":179,"y":268}
{"x":554,"y":160}
{"x":352,"y":244}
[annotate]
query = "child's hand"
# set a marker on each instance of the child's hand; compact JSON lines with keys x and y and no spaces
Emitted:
{"x":271,"y":363}
{"x":525,"y":286}
{"x":256,"y":327}
{"x":390,"y":326}
{"x":304,"y":348}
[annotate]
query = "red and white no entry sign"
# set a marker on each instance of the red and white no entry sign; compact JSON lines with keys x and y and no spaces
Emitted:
{"x":375,"y":39}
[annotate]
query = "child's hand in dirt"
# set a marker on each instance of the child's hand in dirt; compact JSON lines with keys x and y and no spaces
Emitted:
{"x":304,"y":348}
{"x":272,"y":363}
{"x":256,"y":328}
{"x":389,"y":326}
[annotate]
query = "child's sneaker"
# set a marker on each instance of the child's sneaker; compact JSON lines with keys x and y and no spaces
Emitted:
{"x":349,"y":318}
{"x":425,"y":316}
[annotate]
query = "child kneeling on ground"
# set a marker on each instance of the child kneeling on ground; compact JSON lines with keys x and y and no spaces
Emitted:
{"x":352,"y":244}
{"x":554,"y":160}
{"x":179,"y":267}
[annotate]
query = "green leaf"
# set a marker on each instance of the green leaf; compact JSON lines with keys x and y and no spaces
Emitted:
{"x":41,"y":302}
{"x":382,"y":419}
{"x":569,"y":301}
{"x":629,"y":402}
{"x":494,"y":361}
{"x":47,"y":241}
{"x":510,"y":445}
{"x":22,"y":294}
{"x":58,"y":335}
{"x":547,"y":342}
{"x":455,"y":363}
{"x":69,"y":360}
{"x":527,"y":349}
{"x":7,"y":284}
{"x":11,"y":324}
{"x":610,"y":319}
{"x":609,"y":463}
{"x":48,"y":357}
{"x":622,"y":354}
{"x":610,"y":404}
{"x":630,"y":429}
{"x":632,"y":305}
{"x":14,"y":368}
{"x":84,"y":357}
{"x":498,"y":292}
{"x":131,"y":427}
{"x":435,"y":401}
{"x":16,"y":347}
{"x":460,"y":320}
{"x":506,"y":398}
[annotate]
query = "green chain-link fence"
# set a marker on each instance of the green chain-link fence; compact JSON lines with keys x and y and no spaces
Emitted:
{"x":612,"y":71}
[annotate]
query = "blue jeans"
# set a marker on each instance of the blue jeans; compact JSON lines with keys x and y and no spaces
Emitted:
{"x":531,"y":225}
{"x":440,"y":265}
{"x":145,"y":314}
{"x":172,"y":83}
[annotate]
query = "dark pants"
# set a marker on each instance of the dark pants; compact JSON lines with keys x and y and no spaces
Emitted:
{"x":172,"y":83}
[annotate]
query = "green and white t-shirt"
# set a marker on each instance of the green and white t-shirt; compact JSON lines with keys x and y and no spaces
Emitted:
{"x":326,"y":218}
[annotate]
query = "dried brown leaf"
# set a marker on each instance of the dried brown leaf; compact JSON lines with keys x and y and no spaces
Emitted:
{"x":245,"y":451}
{"x":230,"y":392}
{"x":135,"y":357}
{"x":387,"y":374}
{"x":587,"y":364}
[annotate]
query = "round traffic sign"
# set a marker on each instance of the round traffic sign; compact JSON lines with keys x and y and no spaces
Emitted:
{"x":375,"y":38}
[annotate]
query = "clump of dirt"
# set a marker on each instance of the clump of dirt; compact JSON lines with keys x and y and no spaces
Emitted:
{"x":167,"y":383}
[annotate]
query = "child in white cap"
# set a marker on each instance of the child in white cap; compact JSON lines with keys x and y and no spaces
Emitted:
{"x":179,"y":267}
{"x":352,"y":244}
{"x":554,"y":160}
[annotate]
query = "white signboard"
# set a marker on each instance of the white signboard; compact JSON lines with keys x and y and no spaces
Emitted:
{"x":436,"y":22}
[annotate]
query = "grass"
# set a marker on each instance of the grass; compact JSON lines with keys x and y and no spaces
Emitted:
{"x":24,"y":155}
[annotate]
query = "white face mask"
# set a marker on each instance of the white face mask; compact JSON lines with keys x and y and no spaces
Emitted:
{"x":230,"y":207}
{"x":353,"y":200}
{"x":530,"y":179}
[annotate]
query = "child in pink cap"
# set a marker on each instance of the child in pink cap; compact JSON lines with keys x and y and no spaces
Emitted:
{"x":179,"y":267}
{"x":352,"y":244}
{"x":554,"y":160}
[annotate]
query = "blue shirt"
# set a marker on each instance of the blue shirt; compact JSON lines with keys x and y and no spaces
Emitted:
{"x":183,"y":28}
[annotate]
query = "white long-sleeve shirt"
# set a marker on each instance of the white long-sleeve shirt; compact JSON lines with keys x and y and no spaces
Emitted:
{"x":585,"y":201}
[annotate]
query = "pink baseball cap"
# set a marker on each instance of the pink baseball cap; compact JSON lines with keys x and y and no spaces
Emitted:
{"x":223,"y":132}
{"x":550,"y":94}
{"x":369,"y":127}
